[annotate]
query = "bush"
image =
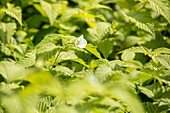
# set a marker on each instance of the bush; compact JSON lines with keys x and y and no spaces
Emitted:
{"x":84,"y":56}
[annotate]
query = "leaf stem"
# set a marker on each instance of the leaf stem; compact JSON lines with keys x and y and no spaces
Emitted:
{"x":156,"y":107}
{"x":12,"y":52}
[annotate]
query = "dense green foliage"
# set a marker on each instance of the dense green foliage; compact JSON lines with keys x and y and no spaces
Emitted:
{"x":124,"y":68}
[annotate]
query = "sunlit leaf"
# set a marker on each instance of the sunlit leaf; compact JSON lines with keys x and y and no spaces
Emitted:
{"x":102,"y":30}
{"x":53,"y":10}
{"x":93,"y":50}
{"x":81,"y":62}
{"x":164,"y":60}
{"x":103,"y":72}
{"x":11,"y":71}
{"x":128,"y":55}
{"x":28,"y":59}
{"x":161,"y":7}
{"x":14,"y":12}
{"x":142,"y":20}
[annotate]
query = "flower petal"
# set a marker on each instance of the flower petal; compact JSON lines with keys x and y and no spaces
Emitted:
{"x":81,"y":37}
{"x":80,"y":42}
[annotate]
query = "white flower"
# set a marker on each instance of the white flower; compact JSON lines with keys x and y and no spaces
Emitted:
{"x":80,"y":42}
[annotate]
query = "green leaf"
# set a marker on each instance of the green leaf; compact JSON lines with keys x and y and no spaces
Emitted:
{"x":12,"y":103}
{"x":131,"y":64}
{"x":45,"y":56}
{"x":165,"y":79}
{"x":97,"y":7}
{"x":96,"y":63}
{"x":80,"y":74}
{"x":64,"y":70}
{"x":148,"y":52}
{"x":111,"y":102}
{"x":164,"y":107}
{"x":7,"y":41}
{"x":29,"y":59}
{"x":40,"y":9}
{"x":128,"y":55}
{"x":44,"y":103}
{"x":53,"y":38}
{"x":11,"y":71}
{"x":146,"y":91}
{"x":5,"y":50}
{"x":47,"y":48}
{"x":69,"y":55}
{"x":69,"y":13}
{"x":53,"y":10}
{"x":79,"y":60}
{"x":102,"y":30}
{"x":156,"y":89}
{"x":153,"y":65}
{"x":164,"y":60}
{"x":18,"y":52}
{"x":106,"y":47}
{"x":14,"y":12}
{"x":161,"y":50}
{"x":139,"y":49}
{"x":141,"y":77}
{"x":142,"y":20}
{"x":93,"y":50}
{"x":161,"y":7}
{"x":150,"y":107}
{"x":7,"y":87}
{"x":35,"y":21}
{"x":77,"y":49}
{"x":132,"y":40}
{"x":157,"y":42}
{"x":122,"y":92}
{"x":103,"y":72}
{"x":7,"y":32}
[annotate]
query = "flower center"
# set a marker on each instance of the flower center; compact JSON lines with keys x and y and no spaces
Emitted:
{"x":78,"y":42}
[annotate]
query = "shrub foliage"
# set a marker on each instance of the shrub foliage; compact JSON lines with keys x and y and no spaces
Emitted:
{"x":125,"y":67}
